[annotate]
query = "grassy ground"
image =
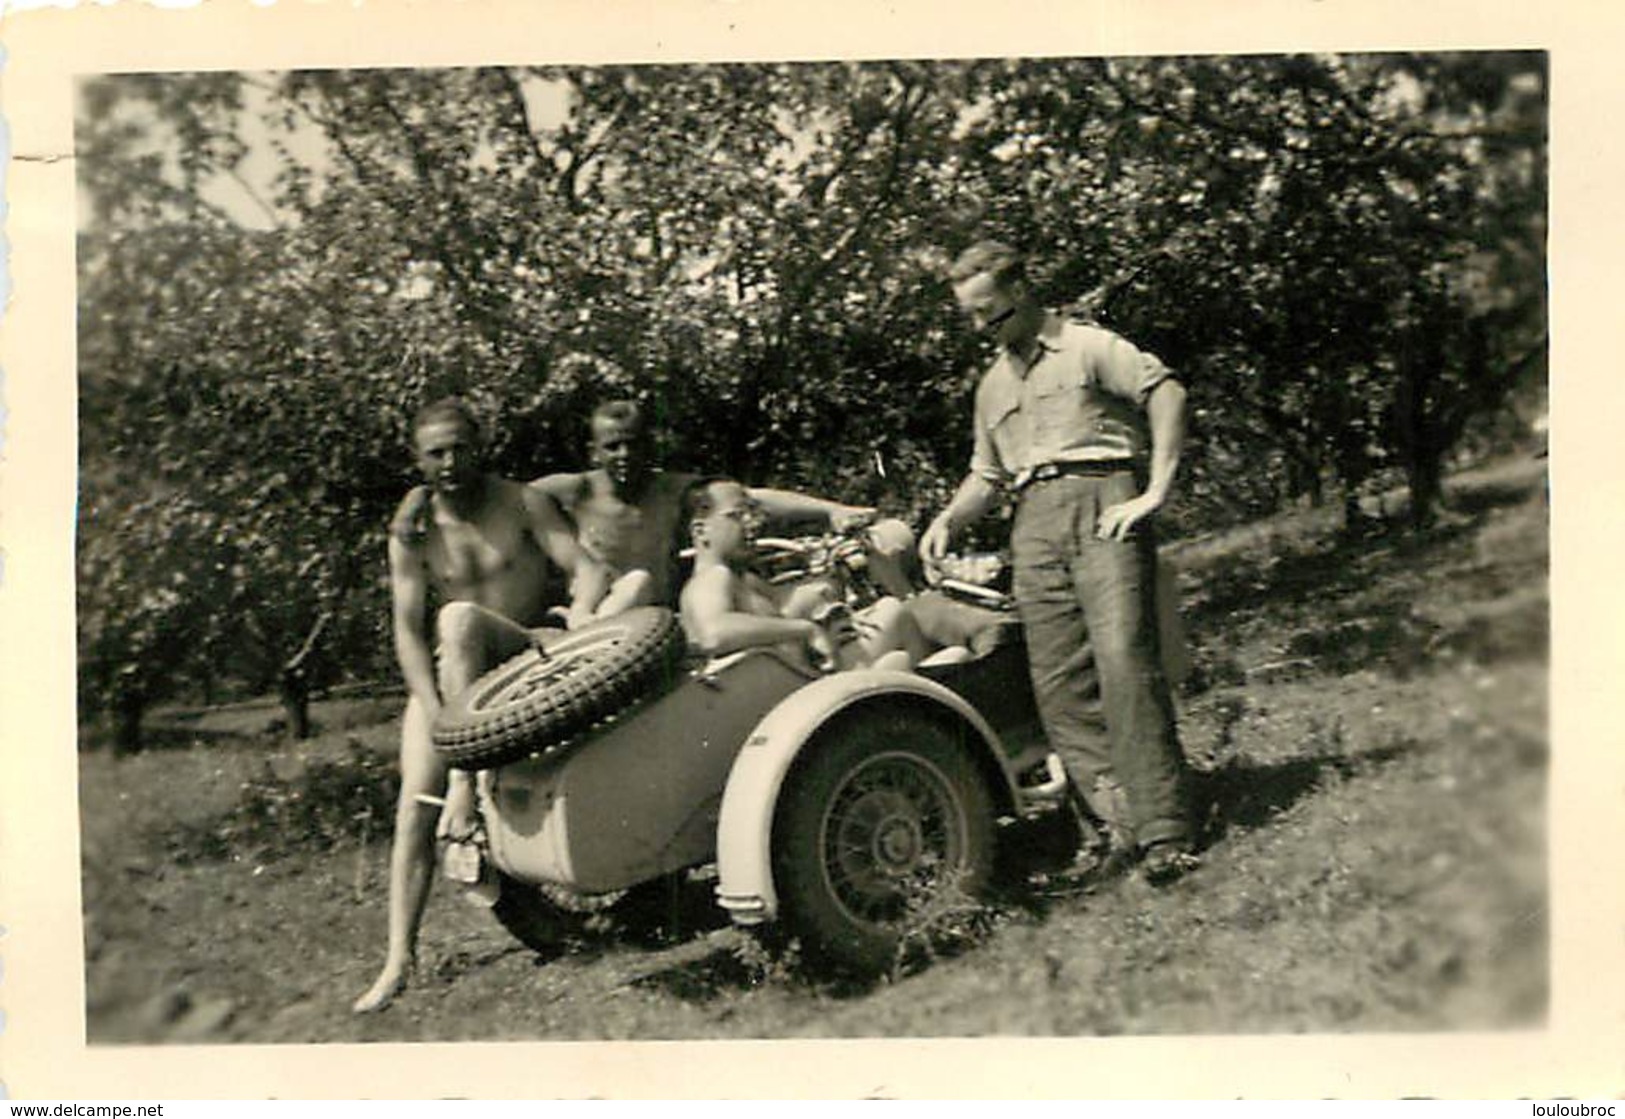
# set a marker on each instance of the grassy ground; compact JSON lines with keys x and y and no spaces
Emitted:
{"x":1370,"y":720}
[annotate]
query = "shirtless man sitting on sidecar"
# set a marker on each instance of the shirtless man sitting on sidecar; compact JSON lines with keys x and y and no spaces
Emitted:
{"x":489,"y":550}
{"x":628,"y":512}
{"x":726,"y":608}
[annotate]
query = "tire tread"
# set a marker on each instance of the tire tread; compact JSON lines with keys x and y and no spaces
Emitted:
{"x":615,"y":677}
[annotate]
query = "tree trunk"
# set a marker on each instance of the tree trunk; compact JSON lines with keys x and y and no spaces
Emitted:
{"x":1357,"y":524}
{"x":294,"y":683}
{"x":295,"y":694}
{"x":1417,"y":435}
{"x":127,"y":709}
{"x":1424,"y":472}
{"x":1303,"y":481}
{"x":1422,"y":448}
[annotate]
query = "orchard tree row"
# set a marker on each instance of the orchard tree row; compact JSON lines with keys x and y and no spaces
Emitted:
{"x":1343,"y":257}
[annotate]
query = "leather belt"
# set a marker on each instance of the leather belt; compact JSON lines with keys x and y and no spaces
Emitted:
{"x":1089,"y":468}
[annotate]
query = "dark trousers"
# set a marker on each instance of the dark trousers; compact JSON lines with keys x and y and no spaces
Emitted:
{"x":1086,"y":600}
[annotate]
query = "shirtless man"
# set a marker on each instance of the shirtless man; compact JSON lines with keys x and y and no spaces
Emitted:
{"x":628,"y":513}
{"x":483,"y":544}
{"x":726,"y":608}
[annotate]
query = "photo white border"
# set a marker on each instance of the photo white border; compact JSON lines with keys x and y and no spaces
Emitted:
{"x":42,"y":1050}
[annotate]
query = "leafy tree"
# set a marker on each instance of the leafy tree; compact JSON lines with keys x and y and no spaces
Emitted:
{"x":1342,"y":255}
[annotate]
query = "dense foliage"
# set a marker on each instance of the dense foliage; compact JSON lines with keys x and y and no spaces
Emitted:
{"x":1342,"y":255}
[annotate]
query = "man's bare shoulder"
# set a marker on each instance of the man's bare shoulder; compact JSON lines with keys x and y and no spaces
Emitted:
{"x":715,"y":575}
{"x":707,"y":584}
{"x":566,"y":489}
{"x":409,"y":531}
{"x":538,"y":503}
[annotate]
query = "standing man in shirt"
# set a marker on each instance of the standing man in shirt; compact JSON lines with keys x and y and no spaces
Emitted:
{"x":1087,"y":430}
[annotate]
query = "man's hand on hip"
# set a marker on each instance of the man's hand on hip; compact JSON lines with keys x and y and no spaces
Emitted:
{"x":1116,"y":522}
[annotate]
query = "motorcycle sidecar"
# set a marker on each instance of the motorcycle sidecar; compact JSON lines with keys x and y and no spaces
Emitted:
{"x":835,"y":805}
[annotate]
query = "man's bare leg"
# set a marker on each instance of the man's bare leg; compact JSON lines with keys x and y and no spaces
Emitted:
{"x":473,"y":640}
{"x":888,"y":627}
{"x":411,"y":857}
{"x":893,"y":562}
{"x":894,"y":661}
{"x":635,"y":588}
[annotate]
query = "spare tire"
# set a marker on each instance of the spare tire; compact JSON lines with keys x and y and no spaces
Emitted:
{"x":543,"y":697}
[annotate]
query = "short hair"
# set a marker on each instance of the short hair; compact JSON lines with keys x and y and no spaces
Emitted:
{"x":1004,"y":263}
{"x":624,"y":413}
{"x":698,"y":501}
{"x":448,"y":409}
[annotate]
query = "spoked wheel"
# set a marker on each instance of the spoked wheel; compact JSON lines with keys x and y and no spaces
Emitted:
{"x":885,"y":828}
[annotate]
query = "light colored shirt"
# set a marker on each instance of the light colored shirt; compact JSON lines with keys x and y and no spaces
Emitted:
{"x":1082,"y":399}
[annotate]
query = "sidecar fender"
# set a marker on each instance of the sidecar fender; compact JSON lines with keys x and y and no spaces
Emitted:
{"x":745,"y":828}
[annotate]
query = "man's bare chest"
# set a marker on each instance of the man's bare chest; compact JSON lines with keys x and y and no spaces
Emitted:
{"x":751,"y":595}
{"x":461,"y":555}
{"x":613,"y":529}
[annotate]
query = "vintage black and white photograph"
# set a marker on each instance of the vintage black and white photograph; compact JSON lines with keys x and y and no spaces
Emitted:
{"x":991,"y":546}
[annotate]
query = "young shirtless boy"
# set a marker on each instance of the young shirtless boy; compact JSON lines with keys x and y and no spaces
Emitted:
{"x":726,"y":608}
{"x":482,"y":544}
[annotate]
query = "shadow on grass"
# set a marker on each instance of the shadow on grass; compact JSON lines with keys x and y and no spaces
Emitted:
{"x":733,"y":971}
{"x":1396,"y":603}
{"x":255,"y":723}
{"x":669,"y":910}
{"x":1307,"y":572}
{"x":1482,"y":495}
{"x":946,"y":925}
{"x":655,"y":916}
{"x":1314,"y":575}
{"x":718,"y":974}
{"x":166,"y":737}
{"x":1239,"y":794}
{"x":1242,"y":794}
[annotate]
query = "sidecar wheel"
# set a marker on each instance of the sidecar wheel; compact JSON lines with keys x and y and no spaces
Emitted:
{"x":541,"y":698}
{"x":883,"y":835}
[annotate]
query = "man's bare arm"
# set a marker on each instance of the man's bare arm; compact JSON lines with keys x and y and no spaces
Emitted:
{"x":562,"y":488}
{"x":589,"y":577}
{"x":409,"y":598}
{"x":973,"y":498}
{"x":788,"y":505}
{"x":1166,"y":411}
{"x":716,"y":628}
